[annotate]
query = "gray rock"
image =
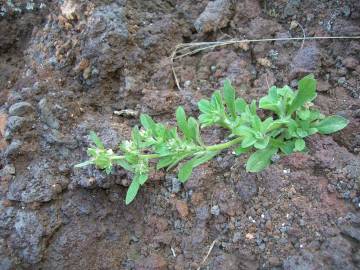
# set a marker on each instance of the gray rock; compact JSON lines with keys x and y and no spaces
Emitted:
{"x":291,"y":8}
{"x":351,"y":231}
{"x":7,"y":170}
{"x":12,"y":148}
{"x":7,"y":215}
{"x":305,"y":62}
{"x":38,"y":184}
{"x":46,"y":114}
{"x":21,"y":108}
{"x":6,"y":263}
{"x":104,"y":39}
{"x":215,"y":210}
{"x":55,"y":137}
{"x":202,"y":213}
{"x":346,"y":27}
{"x":27,"y":238}
{"x":306,"y":261}
{"x":337,"y":252}
{"x":216,"y":15}
{"x":245,"y":184}
{"x":15,"y":123}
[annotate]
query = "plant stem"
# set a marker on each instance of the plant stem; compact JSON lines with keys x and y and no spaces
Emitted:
{"x":221,"y":146}
{"x":213,"y":148}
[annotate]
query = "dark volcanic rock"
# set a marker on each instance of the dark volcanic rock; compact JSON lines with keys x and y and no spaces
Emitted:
{"x":27,"y":238}
{"x":215,"y":16}
{"x":153,"y":262}
{"x":21,"y":108}
{"x":306,"y":261}
{"x":36,"y":185}
{"x":305,"y":62}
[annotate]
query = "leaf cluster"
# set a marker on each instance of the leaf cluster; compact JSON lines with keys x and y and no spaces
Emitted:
{"x":290,"y":117}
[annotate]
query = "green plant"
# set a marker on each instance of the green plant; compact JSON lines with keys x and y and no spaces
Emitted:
{"x":290,"y":119}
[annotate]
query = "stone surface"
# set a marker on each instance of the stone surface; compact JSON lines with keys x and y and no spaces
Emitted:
{"x":215,"y":16}
{"x":182,"y":208}
{"x":46,"y":114}
{"x":21,"y":109}
{"x":27,"y":238}
{"x":305,"y":61}
{"x":36,"y":185}
{"x":153,"y":262}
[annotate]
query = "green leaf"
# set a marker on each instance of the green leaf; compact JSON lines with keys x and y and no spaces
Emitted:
{"x":96,"y":140}
{"x":241,"y":150}
{"x":248,"y":141}
{"x":299,"y":145}
{"x":243,"y":131}
{"x":135,"y":135}
{"x":216,"y":101}
{"x":252,"y":107}
{"x":164,"y":162}
{"x":142,"y":178}
{"x":132,"y":191}
{"x":229,"y":97}
{"x":306,"y":93}
{"x":185,"y":172}
{"x":147,"y":122}
{"x":186,"y":169}
{"x":304,"y":114}
{"x":124,"y":164}
{"x":262,"y":143}
{"x":240,"y":105}
{"x":288,"y":147}
{"x":206,"y":120}
{"x":276,"y":124}
{"x":260,"y":159}
{"x":301,"y":132}
{"x":182,"y":122}
{"x":83,"y":164}
{"x":194,"y":130}
{"x":331,"y":124}
{"x":177,"y":159}
{"x":205,"y":106}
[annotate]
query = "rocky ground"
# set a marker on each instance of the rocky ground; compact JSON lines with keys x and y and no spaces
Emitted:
{"x":66,"y":66}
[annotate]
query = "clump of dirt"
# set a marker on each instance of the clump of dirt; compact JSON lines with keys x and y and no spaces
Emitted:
{"x":66,"y":66}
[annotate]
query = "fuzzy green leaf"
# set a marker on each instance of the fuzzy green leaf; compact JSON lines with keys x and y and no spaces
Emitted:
{"x":83,"y":164}
{"x":240,"y":105}
{"x":262,"y":143}
{"x":185,"y":172}
{"x":141,"y":178}
{"x":248,"y":141}
{"x":205,"y":106}
{"x":186,"y":169}
{"x":288,"y":147}
{"x":194,"y":130}
{"x":299,"y":145}
{"x":164,"y":162}
{"x":182,"y":122}
{"x":229,"y":97}
{"x":96,"y":140}
{"x":332,"y":124}
{"x":124,"y":164}
{"x":260,"y":159}
{"x":241,"y":150}
{"x":132,"y":191}
{"x":306,"y":93}
{"x":135,"y":135}
{"x":147,"y":122}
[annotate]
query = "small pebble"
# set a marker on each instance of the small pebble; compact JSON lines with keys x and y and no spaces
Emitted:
{"x":215,"y":210}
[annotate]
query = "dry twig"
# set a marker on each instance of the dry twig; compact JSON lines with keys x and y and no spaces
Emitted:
{"x":185,"y":49}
